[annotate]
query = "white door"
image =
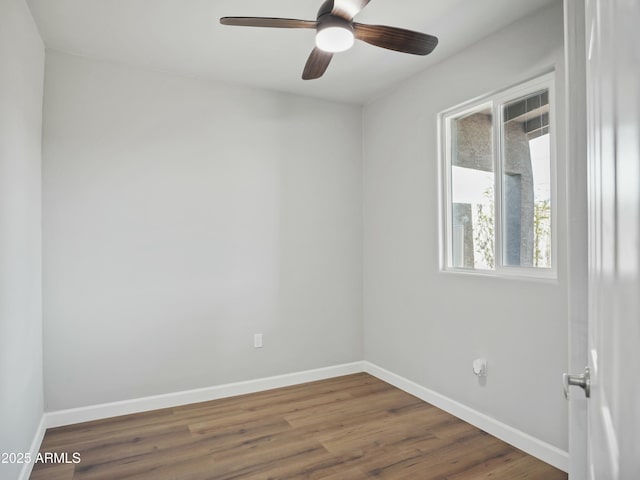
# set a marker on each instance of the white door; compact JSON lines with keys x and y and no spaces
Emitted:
{"x":613,"y":131}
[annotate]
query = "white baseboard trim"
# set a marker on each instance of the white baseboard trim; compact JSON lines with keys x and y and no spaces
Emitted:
{"x":25,"y":473}
{"x":525,"y":442}
{"x":97,"y":412}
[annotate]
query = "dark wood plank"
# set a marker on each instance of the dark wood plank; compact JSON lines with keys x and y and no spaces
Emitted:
{"x":352,"y":427}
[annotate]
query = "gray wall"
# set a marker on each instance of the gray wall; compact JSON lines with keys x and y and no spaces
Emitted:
{"x":183,"y":216}
{"x":426,"y":325}
{"x":21,"y":78}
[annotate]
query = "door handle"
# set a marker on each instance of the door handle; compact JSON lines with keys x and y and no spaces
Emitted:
{"x":582,"y":380}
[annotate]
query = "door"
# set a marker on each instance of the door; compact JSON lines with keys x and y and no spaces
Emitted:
{"x":613,"y":132}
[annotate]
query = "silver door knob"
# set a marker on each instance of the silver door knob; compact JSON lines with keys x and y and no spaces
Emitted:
{"x":582,"y":380}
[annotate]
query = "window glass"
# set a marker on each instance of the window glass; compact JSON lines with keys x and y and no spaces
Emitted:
{"x":526,"y":182}
{"x":472,"y":191}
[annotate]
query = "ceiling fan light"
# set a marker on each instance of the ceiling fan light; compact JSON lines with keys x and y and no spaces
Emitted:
{"x":334,"y":39}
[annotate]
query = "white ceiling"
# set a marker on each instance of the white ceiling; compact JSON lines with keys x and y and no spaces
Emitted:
{"x":184,"y":36}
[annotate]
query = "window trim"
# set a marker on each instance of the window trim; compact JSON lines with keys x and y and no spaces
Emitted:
{"x":495,"y":101}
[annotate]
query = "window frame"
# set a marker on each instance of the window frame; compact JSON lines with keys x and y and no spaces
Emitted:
{"x":495,"y":101}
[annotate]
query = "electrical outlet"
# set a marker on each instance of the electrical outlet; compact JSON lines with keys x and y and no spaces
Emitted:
{"x":257,"y":340}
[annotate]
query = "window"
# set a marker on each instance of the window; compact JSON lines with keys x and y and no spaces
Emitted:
{"x":498,"y":175}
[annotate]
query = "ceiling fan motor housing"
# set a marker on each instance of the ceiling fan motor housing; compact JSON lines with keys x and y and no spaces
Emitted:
{"x":331,"y":21}
{"x":334,"y":34}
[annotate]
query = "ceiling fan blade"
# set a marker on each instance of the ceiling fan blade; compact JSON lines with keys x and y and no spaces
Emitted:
{"x":267,"y":22}
{"x":317,"y":64}
{"x":348,"y":9}
{"x":397,"y":39}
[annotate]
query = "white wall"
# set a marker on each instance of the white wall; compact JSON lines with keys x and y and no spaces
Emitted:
{"x":180,"y":218}
{"x":426,"y":325}
{"x":21,"y":79}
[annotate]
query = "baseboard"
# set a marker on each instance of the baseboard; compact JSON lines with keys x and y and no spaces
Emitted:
{"x":25,"y":473}
{"x":137,"y":405}
{"x":525,"y":442}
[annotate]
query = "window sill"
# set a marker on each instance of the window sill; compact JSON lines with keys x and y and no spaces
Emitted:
{"x":505,"y":273}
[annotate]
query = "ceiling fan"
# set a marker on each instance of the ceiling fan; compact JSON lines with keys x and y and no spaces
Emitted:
{"x":336,"y":32}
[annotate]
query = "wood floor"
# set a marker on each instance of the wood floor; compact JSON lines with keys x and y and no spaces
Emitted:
{"x":345,"y":428}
